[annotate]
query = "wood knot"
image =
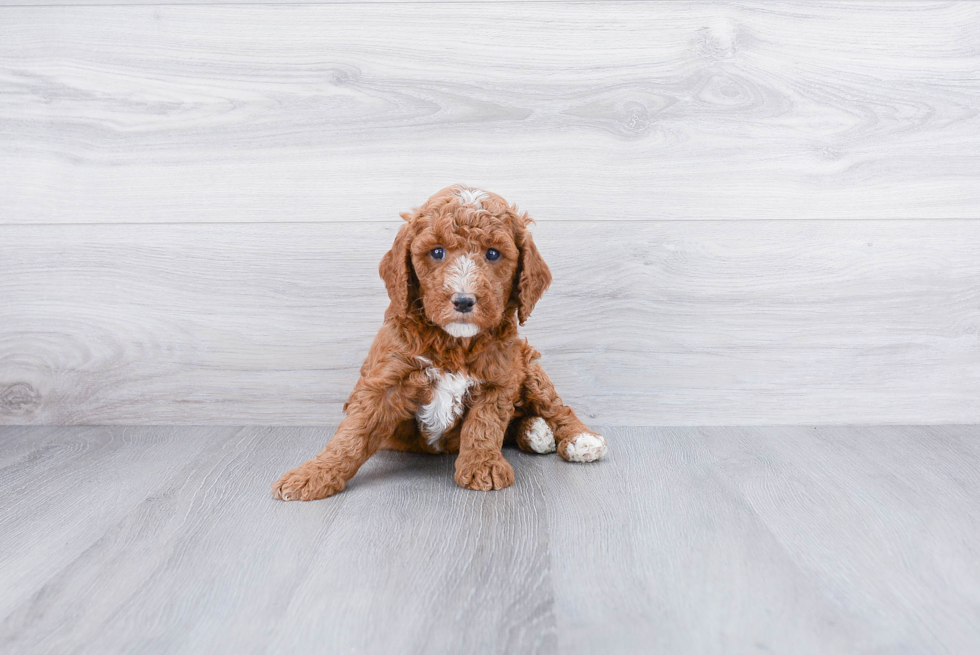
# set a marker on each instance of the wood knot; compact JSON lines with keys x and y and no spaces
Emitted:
{"x":717,"y":41}
{"x":19,"y":399}
{"x":636,"y":120}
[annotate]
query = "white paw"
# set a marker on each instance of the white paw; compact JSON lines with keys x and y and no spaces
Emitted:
{"x":539,"y":437}
{"x":585,"y":447}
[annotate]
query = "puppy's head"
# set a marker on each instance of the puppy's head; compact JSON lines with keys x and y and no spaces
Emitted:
{"x":466,"y":260}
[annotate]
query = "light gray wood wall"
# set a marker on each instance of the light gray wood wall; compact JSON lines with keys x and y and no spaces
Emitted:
{"x":581,"y":111}
{"x":755,"y":212}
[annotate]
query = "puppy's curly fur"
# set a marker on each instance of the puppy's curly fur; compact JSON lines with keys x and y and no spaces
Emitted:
{"x":448,"y":371}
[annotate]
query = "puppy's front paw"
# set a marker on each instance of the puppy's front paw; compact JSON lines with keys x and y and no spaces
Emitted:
{"x":584,"y":447}
{"x":484,"y":475}
{"x":309,"y":481}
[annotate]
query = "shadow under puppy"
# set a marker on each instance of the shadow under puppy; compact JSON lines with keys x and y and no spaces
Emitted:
{"x":448,"y":370}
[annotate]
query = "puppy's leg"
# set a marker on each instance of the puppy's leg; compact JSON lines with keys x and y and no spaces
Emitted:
{"x":575,"y":442}
{"x":373,"y":413}
{"x":481,"y":464}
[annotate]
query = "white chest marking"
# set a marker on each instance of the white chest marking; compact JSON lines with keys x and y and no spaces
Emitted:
{"x":447,"y":404}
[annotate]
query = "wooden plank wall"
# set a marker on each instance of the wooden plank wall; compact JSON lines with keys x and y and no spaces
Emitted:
{"x":756,"y":212}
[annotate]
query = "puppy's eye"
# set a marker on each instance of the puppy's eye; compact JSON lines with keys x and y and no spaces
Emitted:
{"x":493,"y":255}
{"x":437,"y":253}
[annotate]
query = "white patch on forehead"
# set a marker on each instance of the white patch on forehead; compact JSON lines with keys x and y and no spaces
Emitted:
{"x":448,"y":401}
{"x":459,"y":277}
{"x":471,"y":197}
{"x":460,"y":329}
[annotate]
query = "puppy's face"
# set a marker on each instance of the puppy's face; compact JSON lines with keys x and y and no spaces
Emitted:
{"x":466,"y":259}
{"x":465,"y":273}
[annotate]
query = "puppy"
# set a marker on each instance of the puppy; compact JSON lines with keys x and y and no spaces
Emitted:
{"x":448,"y":371}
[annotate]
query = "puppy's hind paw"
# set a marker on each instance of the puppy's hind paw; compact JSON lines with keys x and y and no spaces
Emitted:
{"x":536,"y":436}
{"x":584,"y":447}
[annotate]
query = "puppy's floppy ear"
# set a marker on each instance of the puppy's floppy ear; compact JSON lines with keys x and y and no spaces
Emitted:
{"x":397,"y":272}
{"x":533,"y":276}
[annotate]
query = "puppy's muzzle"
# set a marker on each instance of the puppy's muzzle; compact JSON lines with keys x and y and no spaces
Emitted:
{"x":464,"y":302}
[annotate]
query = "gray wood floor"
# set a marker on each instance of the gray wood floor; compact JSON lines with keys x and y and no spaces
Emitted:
{"x":685,"y":540}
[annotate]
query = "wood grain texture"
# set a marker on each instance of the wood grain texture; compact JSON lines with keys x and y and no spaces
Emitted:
{"x":786,"y":540}
{"x":577,"y":111}
{"x":116,"y":3}
{"x":86,"y":480}
{"x":814,"y":487}
{"x":684,"y":540}
{"x":675,"y":322}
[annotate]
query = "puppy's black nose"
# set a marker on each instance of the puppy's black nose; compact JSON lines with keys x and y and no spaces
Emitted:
{"x":463,"y":302}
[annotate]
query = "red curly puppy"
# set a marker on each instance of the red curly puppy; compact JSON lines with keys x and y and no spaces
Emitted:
{"x":448,"y":371}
